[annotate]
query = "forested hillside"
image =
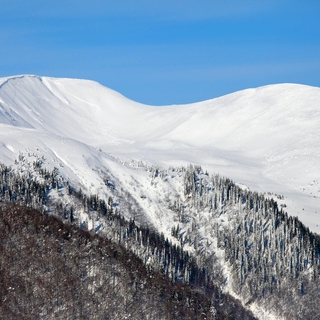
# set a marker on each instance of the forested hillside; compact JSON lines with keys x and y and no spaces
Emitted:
{"x":50,"y":269}
{"x":224,"y":238}
{"x":53,"y":270}
{"x":274,"y":259}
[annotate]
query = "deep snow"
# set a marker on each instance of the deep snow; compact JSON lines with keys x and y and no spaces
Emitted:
{"x":267,"y":139}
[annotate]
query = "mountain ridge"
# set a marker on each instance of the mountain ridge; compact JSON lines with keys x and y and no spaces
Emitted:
{"x":266,"y":138}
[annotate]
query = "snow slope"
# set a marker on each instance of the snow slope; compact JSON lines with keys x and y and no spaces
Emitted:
{"x":267,"y":139}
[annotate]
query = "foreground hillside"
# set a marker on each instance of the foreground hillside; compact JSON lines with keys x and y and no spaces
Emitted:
{"x":50,"y":270}
{"x":222,"y":239}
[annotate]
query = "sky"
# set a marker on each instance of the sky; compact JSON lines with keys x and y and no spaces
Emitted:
{"x":164,"y":52}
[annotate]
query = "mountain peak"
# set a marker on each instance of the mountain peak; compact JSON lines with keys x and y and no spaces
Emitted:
{"x":267,"y":138}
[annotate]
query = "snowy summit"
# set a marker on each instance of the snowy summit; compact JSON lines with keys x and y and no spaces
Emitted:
{"x":266,"y":139}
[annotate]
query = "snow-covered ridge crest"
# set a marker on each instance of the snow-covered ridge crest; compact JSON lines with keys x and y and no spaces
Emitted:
{"x":266,"y":138}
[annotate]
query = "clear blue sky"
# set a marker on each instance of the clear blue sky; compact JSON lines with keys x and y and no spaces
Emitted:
{"x":164,"y":52}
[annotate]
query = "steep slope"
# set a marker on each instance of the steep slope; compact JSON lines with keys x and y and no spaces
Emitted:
{"x":237,"y":240}
{"x":74,"y":274}
{"x":266,"y":138}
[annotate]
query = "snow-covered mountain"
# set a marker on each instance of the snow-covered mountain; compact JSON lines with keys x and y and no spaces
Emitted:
{"x":267,"y":139}
{"x":92,"y":157}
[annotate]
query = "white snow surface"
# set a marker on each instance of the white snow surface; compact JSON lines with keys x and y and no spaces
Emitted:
{"x":267,"y":139}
